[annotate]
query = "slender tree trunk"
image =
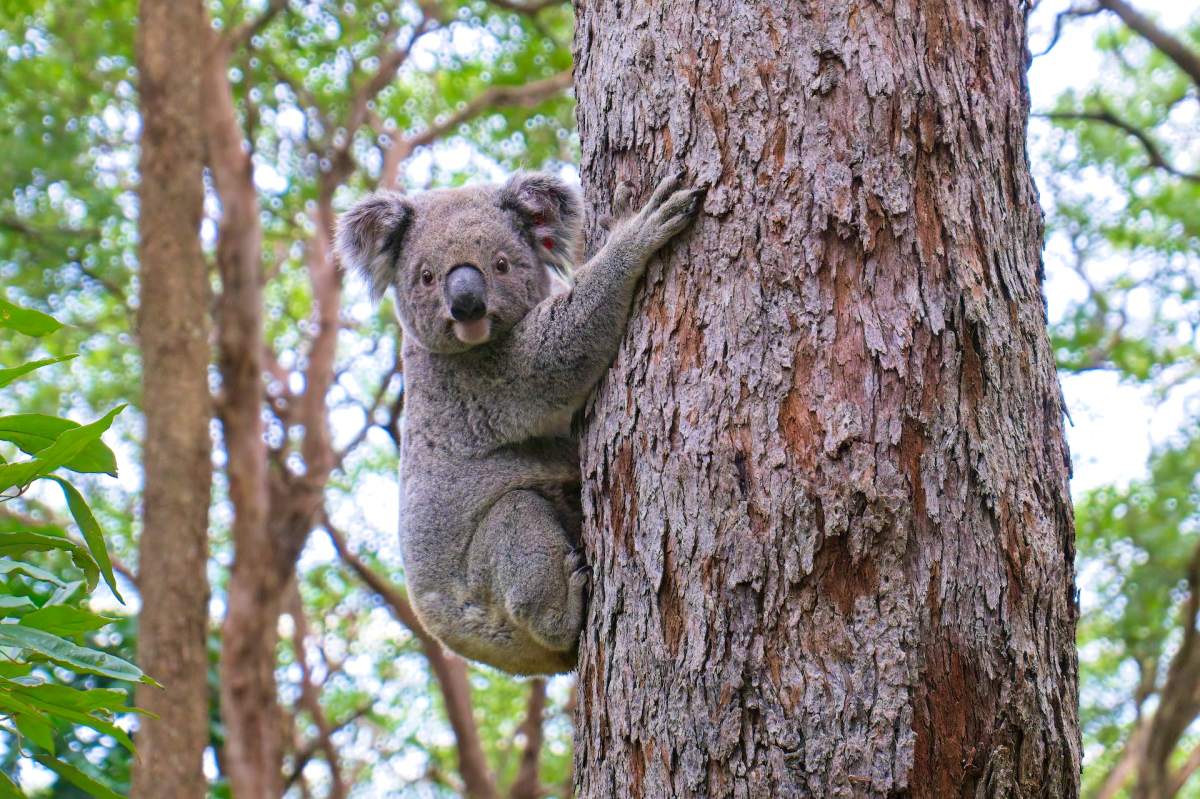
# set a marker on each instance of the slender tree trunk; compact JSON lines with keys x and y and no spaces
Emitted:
{"x":173,"y":322}
{"x":825,"y":481}
{"x":249,"y":708}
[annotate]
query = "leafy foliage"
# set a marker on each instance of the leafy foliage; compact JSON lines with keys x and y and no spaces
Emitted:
{"x":1121,"y":163}
{"x":1125,"y":179}
{"x":43,"y":612}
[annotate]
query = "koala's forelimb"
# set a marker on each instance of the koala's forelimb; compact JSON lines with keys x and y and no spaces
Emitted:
{"x":566,"y":343}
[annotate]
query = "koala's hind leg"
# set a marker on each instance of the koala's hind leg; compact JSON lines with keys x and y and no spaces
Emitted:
{"x":540,"y":574}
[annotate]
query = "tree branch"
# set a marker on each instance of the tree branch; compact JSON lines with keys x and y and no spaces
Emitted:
{"x":1183,"y":56}
{"x":1059,"y":19}
{"x":303,"y":756}
{"x":1109,"y":118}
{"x":527,"y":7}
{"x":1185,"y":772}
{"x":1128,"y":764}
{"x":527,"y":785}
{"x":1178,"y":702}
{"x":369,"y":412}
{"x":526,"y":95}
{"x":309,"y":697}
{"x":450,"y":671}
{"x":390,"y":60}
{"x":237,"y":37}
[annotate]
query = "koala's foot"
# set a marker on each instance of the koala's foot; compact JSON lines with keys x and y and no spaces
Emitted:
{"x":543,"y":579}
{"x":556,"y":624}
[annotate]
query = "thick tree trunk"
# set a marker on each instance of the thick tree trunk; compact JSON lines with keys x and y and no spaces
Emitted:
{"x":826,"y":481}
{"x":173,"y":321}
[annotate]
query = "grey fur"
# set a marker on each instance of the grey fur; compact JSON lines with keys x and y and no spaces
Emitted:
{"x":490,"y":471}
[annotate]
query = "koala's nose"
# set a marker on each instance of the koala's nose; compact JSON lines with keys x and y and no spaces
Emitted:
{"x":466,"y":293}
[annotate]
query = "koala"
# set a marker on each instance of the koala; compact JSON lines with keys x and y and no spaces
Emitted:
{"x":500,"y":353}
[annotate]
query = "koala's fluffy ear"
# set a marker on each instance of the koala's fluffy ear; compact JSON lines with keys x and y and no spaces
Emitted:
{"x":548,"y":210}
{"x":370,"y":235}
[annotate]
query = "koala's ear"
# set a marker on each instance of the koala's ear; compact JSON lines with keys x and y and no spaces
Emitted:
{"x":370,"y":236}
{"x":548,"y":210}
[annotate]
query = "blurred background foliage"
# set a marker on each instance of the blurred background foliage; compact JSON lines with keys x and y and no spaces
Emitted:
{"x":1118,"y":159}
{"x":1117,"y":154}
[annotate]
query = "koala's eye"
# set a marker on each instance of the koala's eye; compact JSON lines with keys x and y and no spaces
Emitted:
{"x":502,"y":265}
{"x":427,"y":277}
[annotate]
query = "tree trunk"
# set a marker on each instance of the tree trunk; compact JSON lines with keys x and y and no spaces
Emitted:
{"x":249,"y":708}
{"x":825,"y":481}
{"x":173,"y":322}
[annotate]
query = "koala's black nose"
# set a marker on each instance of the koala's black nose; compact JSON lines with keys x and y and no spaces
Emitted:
{"x":466,"y":293}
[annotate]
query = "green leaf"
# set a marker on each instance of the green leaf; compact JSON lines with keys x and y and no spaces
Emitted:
{"x":64,"y":594}
{"x":9,"y":789}
{"x":12,"y":373}
{"x":73,"y":656}
{"x":30,"y":721}
{"x":19,"y":541}
{"x":65,"y":447}
{"x":33,"y":432}
{"x":29,"y":570}
{"x":64,"y":620}
{"x":9,"y":602}
{"x":78,"y":778}
{"x":87,"y":700}
{"x":38,"y":729}
{"x":25,"y":320}
{"x":86,"y":719}
{"x":92,"y":533}
{"x":8,"y":669}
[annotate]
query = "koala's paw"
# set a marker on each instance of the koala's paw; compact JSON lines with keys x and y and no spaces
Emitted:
{"x":669,"y":211}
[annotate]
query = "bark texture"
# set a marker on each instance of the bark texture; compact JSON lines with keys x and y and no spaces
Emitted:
{"x":826,"y":481}
{"x":173,"y":323}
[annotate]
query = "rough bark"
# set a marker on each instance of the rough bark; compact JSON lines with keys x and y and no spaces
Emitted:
{"x":825,"y":480}
{"x":173,"y":326}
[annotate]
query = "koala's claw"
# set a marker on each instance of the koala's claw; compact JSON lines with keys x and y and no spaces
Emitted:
{"x":665,"y":188}
{"x":578,"y":571}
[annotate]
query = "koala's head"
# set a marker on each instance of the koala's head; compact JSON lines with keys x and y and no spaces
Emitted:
{"x":467,"y":264}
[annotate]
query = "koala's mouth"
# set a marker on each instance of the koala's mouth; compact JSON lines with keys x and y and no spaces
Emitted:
{"x":476,"y":332}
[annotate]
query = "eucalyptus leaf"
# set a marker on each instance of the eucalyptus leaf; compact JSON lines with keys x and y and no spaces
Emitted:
{"x":71,"y":655}
{"x":92,"y":535}
{"x":78,"y":778}
{"x":29,"y":570}
{"x":10,"y":602}
{"x":68,"y":445}
{"x":33,"y":432}
{"x":64,"y":620}
{"x":9,"y":789}
{"x":26,"y":320}
{"x":12,"y":373}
